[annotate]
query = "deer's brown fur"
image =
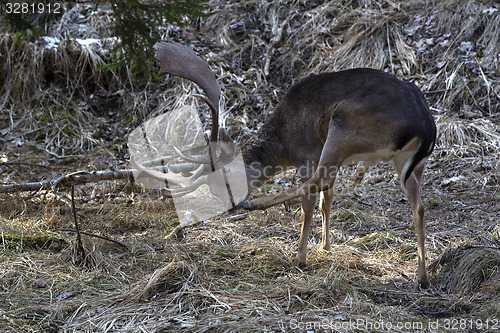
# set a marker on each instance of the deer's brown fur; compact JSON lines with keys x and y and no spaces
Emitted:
{"x":327,"y":120}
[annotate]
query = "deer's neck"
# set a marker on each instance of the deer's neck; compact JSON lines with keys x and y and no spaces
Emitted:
{"x":264,"y":154}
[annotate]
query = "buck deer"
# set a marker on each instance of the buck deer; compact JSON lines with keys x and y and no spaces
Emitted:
{"x":323,"y":122}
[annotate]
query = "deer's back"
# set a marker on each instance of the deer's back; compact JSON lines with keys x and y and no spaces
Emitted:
{"x":358,"y":100}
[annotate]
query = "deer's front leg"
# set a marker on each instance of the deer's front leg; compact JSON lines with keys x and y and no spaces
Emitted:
{"x":272,"y":200}
{"x":316,"y":184}
{"x":323,"y":179}
{"x":325,"y":206}
{"x":307,"y":213}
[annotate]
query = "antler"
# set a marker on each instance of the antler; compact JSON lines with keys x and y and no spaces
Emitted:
{"x":177,"y":59}
{"x":184,"y":185}
{"x":195,"y":160}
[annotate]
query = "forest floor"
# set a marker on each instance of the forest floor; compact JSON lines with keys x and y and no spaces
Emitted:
{"x":233,"y":273}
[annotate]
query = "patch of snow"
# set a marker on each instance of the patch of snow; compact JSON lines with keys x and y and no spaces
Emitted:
{"x":490,"y":10}
{"x":52,"y":42}
{"x":87,"y":41}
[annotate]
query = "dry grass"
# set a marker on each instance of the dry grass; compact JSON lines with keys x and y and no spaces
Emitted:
{"x":225,"y":272}
{"x":60,"y":113}
{"x":465,"y":268}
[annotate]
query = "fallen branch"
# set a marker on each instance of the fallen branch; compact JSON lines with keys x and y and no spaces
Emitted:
{"x":77,"y":178}
{"x":83,"y":177}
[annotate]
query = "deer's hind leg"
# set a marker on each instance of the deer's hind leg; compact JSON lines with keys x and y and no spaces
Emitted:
{"x":412,"y":189}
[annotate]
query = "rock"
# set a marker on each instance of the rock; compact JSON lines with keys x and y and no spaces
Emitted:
{"x":41,"y":283}
{"x":55,"y":246}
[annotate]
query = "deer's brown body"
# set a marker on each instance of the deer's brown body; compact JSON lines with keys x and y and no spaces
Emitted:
{"x":328,"y":120}
{"x":332,"y":119}
{"x":364,"y":111}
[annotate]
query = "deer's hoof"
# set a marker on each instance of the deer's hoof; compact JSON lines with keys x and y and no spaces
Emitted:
{"x":326,"y":247}
{"x":248,"y":206}
{"x":422,"y":284}
{"x":245,"y":205}
{"x":298,"y":264}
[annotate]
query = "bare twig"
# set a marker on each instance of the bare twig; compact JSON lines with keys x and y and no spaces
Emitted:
{"x":97,"y":236}
{"x":237,"y":217}
{"x":80,"y":249}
